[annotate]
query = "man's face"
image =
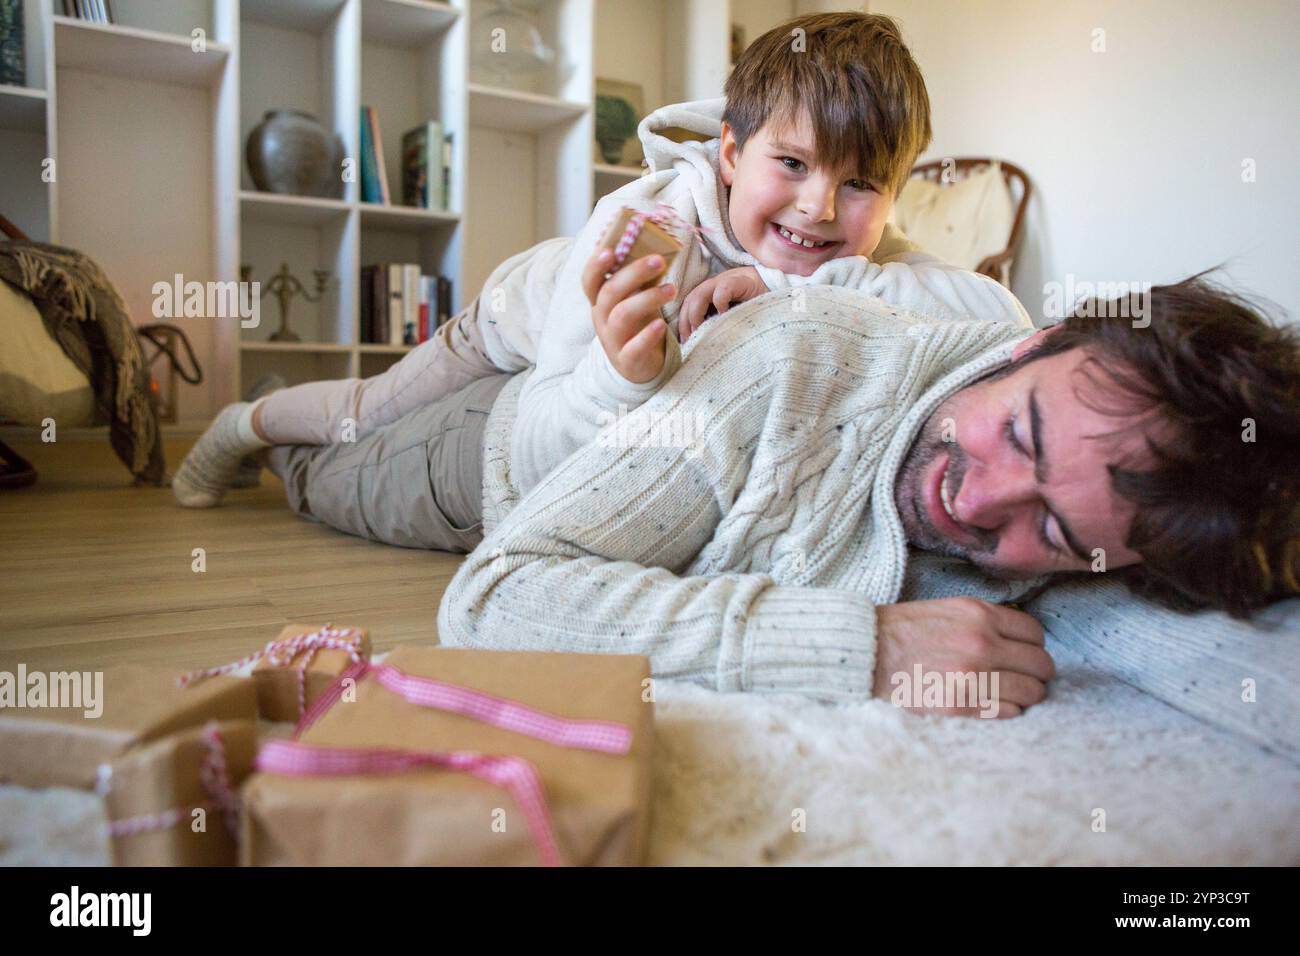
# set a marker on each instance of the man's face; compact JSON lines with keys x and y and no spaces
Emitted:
{"x":777,"y":181}
{"x":1022,"y":487}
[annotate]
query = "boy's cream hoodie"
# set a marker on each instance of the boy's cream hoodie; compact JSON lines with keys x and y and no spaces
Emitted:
{"x":539,"y":315}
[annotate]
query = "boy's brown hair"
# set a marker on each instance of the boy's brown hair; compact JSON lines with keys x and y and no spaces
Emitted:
{"x":865,"y":96}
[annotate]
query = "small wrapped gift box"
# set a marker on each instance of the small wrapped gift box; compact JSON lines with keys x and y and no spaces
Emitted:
{"x":290,"y":680}
{"x":634,"y":234}
{"x":64,"y":746}
{"x":298,"y":666}
{"x":455,"y":757}
{"x":173,"y":802}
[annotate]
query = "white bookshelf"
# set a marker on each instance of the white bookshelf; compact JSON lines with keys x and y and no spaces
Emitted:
{"x":21,"y":109}
{"x":145,"y":129}
{"x":117,"y":50}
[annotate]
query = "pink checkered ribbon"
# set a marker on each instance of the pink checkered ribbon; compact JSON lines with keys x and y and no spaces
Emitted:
{"x":604,"y":735}
{"x":664,"y":214}
{"x":280,"y":653}
{"x":515,"y":774}
{"x":216,"y":782}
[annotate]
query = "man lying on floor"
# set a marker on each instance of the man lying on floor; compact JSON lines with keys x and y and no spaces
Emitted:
{"x":828,"y":493}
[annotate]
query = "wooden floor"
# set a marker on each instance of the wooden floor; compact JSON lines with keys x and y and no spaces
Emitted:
{"x":95,"y":572}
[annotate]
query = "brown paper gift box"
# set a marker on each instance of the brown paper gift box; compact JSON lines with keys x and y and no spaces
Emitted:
{"x":61,"y":747}
{"x":277,"y":686}
{"x":599,"y":802}
{"x":166,"y":775}
{"x":652,"y":240}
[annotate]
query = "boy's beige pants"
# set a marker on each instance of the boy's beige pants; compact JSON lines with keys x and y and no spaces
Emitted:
{"x":414,"y":483}
{"x":397,"y":457}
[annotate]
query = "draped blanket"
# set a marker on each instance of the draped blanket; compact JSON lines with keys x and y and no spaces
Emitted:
{"x":86,"y":316}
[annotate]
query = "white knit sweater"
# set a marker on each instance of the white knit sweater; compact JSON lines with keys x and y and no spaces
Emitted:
{"x":540,"y":315}
{"x":739,"y":528}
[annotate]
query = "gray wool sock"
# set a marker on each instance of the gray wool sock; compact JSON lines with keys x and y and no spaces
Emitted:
{"x":212,"y":464}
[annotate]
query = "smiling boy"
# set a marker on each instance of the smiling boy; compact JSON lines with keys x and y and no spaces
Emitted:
{"x":822,"y":121}
{"x":821,"y":124}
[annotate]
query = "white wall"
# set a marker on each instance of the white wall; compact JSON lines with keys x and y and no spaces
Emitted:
{"x":1135,"y":153}
{"x":759,"y":16}
{"x":629,"y":46}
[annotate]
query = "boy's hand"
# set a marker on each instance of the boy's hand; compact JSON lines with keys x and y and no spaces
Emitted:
{"x":721,"y":291}
{"x":628,"y":322}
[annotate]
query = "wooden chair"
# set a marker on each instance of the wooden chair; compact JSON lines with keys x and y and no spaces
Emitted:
{"x":10,"y":230}
{"x":997,"y":266}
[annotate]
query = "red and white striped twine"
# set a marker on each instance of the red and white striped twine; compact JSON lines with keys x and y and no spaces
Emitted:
{"x":216,"y":783}
{"x":664,"y":214}
{"x":280,"y":653}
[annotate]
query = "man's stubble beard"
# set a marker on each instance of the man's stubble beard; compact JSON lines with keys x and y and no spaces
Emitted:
{"x":929,"y":445}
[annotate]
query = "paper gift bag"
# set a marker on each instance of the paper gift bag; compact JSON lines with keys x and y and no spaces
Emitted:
{"x":633,"y":234}
{"x":284,"y":688}
{"x":173,"y":802}
{"x":598,"y":802}
{"x":52,"y":747}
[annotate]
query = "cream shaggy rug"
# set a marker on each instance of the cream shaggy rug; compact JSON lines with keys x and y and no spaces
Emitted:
{"x":752,"y":779}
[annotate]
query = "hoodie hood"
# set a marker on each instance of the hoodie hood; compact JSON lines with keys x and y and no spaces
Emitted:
{"x":700,"y":193}
{"x":701,"y":116}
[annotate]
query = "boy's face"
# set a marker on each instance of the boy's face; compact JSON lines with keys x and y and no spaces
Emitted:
{"x":776,"y":182}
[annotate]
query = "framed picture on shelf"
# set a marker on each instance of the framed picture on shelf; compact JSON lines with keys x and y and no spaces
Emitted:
{"x":620,"y":107}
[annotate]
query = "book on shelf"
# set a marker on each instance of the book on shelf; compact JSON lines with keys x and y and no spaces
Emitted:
{"x":396,"y":302}
{"x":447,"y":141}
{"x":444,"y":299}
{"x":422,"y":328}
{"x":436,"y":303}
{"x":378,"y":140}
{"x":96,"y":11}
{"x":426,"y":162}
{"x":369,"y":182}
{"x":400,"y":306}
{"x":410,"y":305}
{"x":374,"y":175}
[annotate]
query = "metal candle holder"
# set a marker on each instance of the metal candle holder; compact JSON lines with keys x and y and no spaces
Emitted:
{"x":285,"y":286}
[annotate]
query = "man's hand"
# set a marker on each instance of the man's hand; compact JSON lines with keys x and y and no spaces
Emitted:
{"x":959,"y":635}
{"x":628,"y":322}
{"x":720,"y":291}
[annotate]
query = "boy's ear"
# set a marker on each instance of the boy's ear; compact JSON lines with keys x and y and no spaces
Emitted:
{"x":727,"y":154}
{"x":1028,"y":345}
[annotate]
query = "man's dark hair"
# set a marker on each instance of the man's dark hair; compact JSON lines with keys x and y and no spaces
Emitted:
{"x":1218,"y":517}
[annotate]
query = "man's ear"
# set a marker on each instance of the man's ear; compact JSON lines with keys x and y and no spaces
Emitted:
{"x":1031,"y":343}
{"x":727,"y":155}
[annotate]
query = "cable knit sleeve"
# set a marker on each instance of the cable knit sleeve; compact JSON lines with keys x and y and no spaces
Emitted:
{"x":599,"y":557}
